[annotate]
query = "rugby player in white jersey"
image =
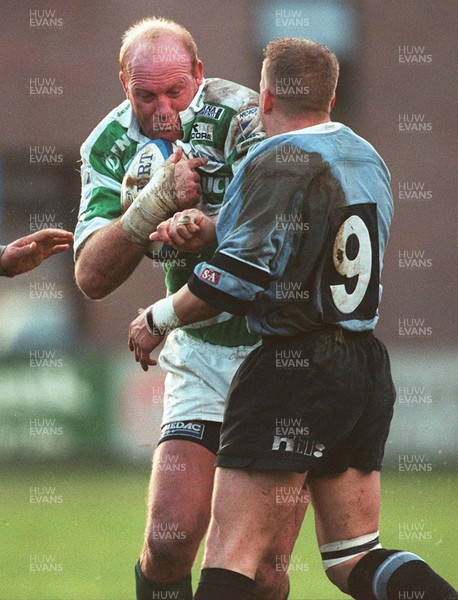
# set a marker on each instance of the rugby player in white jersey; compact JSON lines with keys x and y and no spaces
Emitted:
{"x":169,"y":100}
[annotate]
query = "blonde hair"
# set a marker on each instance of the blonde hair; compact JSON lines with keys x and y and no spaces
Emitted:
{"x":147,"y":31}
{"x":301,"y":74}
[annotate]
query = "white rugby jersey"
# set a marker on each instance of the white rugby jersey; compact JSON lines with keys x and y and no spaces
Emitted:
{"x":220,"y":124}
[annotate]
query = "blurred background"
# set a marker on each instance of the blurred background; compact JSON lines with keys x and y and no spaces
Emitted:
{"x":77,"y":414}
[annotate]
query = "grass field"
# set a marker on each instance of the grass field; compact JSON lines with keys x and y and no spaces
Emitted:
{"x":89,"y":533}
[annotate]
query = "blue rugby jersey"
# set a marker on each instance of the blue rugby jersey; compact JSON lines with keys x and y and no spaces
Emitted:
{"x":302,"y":233}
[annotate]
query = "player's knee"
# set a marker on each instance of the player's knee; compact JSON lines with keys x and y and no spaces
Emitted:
{"x":338,"y":575}
{"x":173,"y":540}
{"x":272,"y":581}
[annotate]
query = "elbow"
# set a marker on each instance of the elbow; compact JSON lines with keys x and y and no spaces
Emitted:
{"x":92,"y":287}
{"x":93,"y":293}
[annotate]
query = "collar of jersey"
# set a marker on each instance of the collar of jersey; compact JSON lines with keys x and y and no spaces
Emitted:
{"x":328,"y":127}
{"x":197,"y":103}
{"x":133,"y":130}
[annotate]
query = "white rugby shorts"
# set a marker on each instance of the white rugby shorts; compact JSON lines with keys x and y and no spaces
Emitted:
{"x":198,"y":376}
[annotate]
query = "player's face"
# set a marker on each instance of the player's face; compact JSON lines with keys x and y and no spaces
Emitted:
{"x":160,"y":84}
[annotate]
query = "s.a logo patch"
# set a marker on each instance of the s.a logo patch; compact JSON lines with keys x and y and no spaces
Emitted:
{"x":210,"y":276}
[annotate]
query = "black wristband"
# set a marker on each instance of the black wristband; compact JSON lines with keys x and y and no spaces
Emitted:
{"x":152,"y":327}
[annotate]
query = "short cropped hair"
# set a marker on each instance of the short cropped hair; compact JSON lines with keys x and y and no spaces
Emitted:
{"x":147,"y":31}
{"x":301,"y":74}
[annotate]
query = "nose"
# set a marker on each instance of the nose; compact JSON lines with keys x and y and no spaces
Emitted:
{"x":163,"y":106}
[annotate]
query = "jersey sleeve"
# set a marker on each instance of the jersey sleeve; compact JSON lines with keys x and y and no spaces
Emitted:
{"x":245,"y":130}
{"x":255,"y":241}
{"x":101,"y":180}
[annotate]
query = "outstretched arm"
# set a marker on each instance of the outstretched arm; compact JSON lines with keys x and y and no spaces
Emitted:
{"x":28,"y":252}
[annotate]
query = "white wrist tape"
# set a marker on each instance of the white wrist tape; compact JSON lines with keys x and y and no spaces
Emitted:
{"x":161,"y":317}
{"x":155,"y":203}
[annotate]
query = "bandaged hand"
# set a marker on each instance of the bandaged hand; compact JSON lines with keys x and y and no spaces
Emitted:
{"x":174,"y":185}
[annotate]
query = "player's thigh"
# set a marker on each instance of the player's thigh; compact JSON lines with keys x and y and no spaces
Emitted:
{"x":246,"y":517}
{"x":347,"y":505}
{"x":181,"y":483}
{"x":279,"y":551}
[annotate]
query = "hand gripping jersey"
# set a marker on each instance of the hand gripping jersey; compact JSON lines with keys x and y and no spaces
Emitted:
{"x":302,"y":234}
{"x":220,"y":124}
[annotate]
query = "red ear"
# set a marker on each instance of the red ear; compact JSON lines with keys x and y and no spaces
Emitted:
{"x":267,"y":101}
{"x":333,"y":102}
{"x":199,"y":72}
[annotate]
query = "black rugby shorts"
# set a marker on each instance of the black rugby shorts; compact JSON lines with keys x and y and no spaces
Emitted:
{"x":322,"y":402}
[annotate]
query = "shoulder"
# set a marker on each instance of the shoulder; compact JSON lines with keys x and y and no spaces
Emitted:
{"x":355,"y":144}
{"x":229,"y":94}
{"x":279,"y":154}
{"x":111,"y":128}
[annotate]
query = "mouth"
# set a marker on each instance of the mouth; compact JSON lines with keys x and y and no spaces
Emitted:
{"x":166,"y":126}
{"x":168,"y":131}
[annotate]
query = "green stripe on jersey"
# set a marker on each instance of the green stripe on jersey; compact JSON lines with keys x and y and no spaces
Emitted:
{"x":112,"y":150}
{"x":229,"y":333}
{"x":103,"y":203}
{"x":181,"y":265}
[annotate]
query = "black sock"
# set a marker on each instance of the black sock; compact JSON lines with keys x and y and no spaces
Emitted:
{"x":222,"y":584}
{"x":416,"y":579}
{"x":149,"y":590}
{"x":396,"y":575}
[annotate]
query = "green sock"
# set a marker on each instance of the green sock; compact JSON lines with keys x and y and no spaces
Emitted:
{"x":148,"y":590}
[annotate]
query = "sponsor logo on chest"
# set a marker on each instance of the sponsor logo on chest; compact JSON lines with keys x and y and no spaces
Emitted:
{"x":202,"y":131}
{"x":211,"y":112}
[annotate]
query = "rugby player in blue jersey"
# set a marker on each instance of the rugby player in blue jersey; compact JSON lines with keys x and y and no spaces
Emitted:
{"x":301,"y":235}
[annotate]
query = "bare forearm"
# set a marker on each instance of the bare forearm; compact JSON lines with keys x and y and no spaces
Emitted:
{"x":105,"y":261}
{"x":189,"y":308}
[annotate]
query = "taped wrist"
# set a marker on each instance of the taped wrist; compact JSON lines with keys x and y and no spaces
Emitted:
{"x":155,"y":203}
{"x":161,"y":317}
